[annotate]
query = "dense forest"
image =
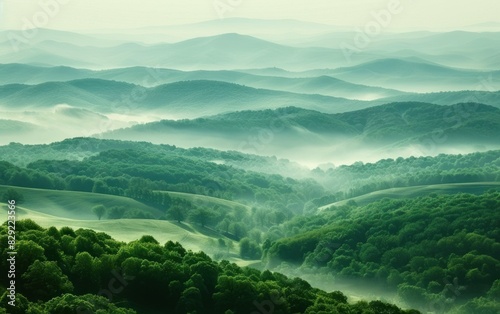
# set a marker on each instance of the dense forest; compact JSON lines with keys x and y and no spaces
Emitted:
{"x":218,"y":173}
{"x":146,"y":276}
{"x":361,"y":178}
{"x":142,"y":171}
{"x":141,"y":175}
{"x":441,"y":249}
{"x":80,"y":148}
{"x":436,"y":250}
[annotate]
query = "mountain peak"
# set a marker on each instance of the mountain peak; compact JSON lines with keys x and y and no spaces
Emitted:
{"x":228,"y":38}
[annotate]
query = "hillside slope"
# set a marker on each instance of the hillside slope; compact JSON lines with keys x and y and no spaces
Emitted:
{"x":409,"y":128}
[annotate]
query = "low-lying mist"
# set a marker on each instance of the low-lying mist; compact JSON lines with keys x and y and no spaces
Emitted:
{"x":295,"y":144}
{"x":354,"y":289}
{"x":43,"y":126}
{"x":309,"y":150}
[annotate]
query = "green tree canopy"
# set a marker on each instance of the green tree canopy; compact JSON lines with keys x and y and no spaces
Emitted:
{"x":99,"y":211}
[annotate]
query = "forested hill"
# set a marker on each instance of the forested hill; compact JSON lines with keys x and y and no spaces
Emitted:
{"x":361,"y":178}
{"x":390,"y":123}
{"x":440,"y":249}
{"x":153,"y":278}
{"x":79,"y":148}
{"x":313,"y":137}
{"x":113,"y":167}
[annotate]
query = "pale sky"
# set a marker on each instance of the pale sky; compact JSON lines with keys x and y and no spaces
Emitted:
{"x":121,"y":14}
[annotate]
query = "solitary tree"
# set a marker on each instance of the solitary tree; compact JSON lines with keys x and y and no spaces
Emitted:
{"x":176,"y":212}
{"x":99,"y":211}
{"x":12,"y":195}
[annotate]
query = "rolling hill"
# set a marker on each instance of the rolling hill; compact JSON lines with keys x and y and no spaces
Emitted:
{"x":309,"y":46}
{"x":418,"y":191}
{"x":16,"y":73}
{"x":150,"y":77}
{"x":49,"y":94}
{"x":180,"y":99}
{"x":73,"y":209}
{"x":78,"y":205}
{"x":79,"y":148}
{"x":463,"y":49}
{"x":449,"y":98}
{"x":276,"y":29}
{"x":191,"y":237}
{"x":480,"y":87}
{"x":414,"y":76}
{"x":74,"y":205}
{"x":410,"y":128}
{"x":17,"y":130}
{"x":44,"y":34}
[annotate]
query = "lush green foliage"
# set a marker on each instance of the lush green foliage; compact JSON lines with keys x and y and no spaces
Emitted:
{"x":415,"y":247}
{"x":99,"y":211}
{"x":79,"y":148}
{"x":143,"y":172}
{"x":361,"y":178}
{"x":431,"y":248}
{"x":219,"y":180}
{"x":193,"y":170}
{"x":136,"y":173}
{"x":65,"y":271}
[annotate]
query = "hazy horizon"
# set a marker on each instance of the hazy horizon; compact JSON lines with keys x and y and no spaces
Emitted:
{"x":93,"y":15}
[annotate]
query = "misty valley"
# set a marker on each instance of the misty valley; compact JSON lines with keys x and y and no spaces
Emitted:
{"x":249,"y":166}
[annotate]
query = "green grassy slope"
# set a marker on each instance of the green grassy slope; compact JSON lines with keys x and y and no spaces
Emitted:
{"x":74,"y":205}
{"x":191,"y":237}
{"x":78,"y":205}
{"x":417,"y":191}
{"x":74,"y":209}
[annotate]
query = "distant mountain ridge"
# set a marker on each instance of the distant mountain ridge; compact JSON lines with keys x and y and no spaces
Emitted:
{"x":412,"y":76}
{"x":184,"y":99}
{"x":299,"y":46}
{"x":322,"y":82}
{"x":148,"y":77}
{"x":223,"y":51}
{"x":195,"y":98}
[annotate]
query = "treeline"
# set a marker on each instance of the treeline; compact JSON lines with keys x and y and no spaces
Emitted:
{"x":80,"y":148}
{"x":237,"y":176}
{"x":81,"y":271}
{"x":14,"y":175}
{"x":388,"y":123}
{"x":231,"y":220}
{"x":437,"y":249}
{"x":138,"y":173}
{"x":362,"y":178}
{"x":124,"y":172}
